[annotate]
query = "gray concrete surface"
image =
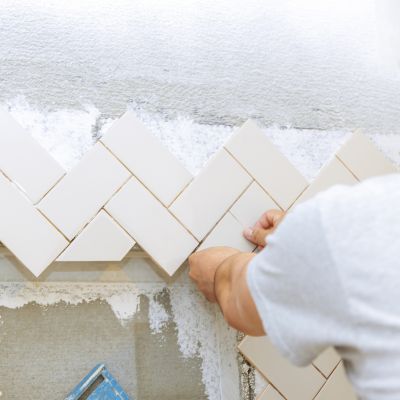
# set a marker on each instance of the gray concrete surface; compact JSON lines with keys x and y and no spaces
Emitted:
{"x":46,"y":351}
{"x":158,"y":336}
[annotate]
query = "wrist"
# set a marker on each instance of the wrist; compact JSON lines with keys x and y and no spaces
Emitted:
{"x":226,"y":272}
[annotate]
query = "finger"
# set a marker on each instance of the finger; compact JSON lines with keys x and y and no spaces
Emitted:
{"x":256,"y":236}
{"x":269,"y":219}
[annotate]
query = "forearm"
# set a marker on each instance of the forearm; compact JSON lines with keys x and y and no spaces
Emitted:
{"x":234,"y":297}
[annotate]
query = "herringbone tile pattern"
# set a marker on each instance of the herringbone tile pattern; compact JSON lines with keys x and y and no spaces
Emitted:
{"x":129,"y":189}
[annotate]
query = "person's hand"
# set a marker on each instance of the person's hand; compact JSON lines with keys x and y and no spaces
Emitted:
{"x":203,"y":265}
{"x":267,"y":223}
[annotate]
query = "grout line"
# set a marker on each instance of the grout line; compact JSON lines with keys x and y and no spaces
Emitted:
{"x":330,"y":374}
{"x":88,"y":221}
{"x":181,"y":191}
{"x":259,"y":370}
{"x":119,"y":224}
{"x":312,"y":364}
{"x":100,"y":143}
{"x":248,"y":172}
{"x":345,"y":165}
{"x":51,"y":188}
{"x":326,"y":381}
{"x":132,"y":175}
{"x":142,"y":182}
{"x":298,"y":197}
{"x":224,"y":214}
{"x":52,"y":224}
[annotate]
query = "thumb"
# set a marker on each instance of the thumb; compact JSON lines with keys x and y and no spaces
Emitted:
{"x":256,"y":235}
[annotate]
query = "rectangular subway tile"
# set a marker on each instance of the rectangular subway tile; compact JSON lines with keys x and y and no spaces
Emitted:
{"x":266,"y":164}
{"x":252,"y":204}
{"x":362,"y":157}
{"x":337,"y":387}
{"x":294,"y":383}
{"x":327,"y":361}
{"x":151,"y":225}
{"x":101,"y":240}
{"x":146,"y":158}
{"x":228,"y":232}
{"x":210,"y":194}
{"x":25,"y":161}
{"x":79,"y":196}
{"x":334,"y":173}
{"x":26,"y":232}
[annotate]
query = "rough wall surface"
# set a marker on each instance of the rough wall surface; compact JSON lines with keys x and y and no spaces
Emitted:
{"x":305,"y":63}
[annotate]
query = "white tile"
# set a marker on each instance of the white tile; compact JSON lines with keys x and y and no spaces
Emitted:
{"x":270,"y":394}
{"x":101,"y":240}
{"x":362,"y":157}
{"x":337,"y":387}
{"x":228,"y":232}
{"x":327,"y":361}
{"x":24,"y":161}
{"x":25,"y":232}
{"x":252,"y":204}
{"x":209,"y":196}
{"x":334,"y":173}
{"x":151,"y":225}
{"x":78,"y":197}
{"x":293,"y":382}
{"x":147,"y":158}
{"x":266,"y":164}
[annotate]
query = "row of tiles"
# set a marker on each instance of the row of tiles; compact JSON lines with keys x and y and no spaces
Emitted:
{"x":336,"y":387}
{"x":146,"y":193}
{"x":129,"y":157}
{"x":324,"y":380}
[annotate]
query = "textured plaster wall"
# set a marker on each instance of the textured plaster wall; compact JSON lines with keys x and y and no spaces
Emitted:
{"x":306,"y":63}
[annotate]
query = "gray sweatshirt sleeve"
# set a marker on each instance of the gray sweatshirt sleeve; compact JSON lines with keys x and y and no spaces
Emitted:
{"x":296,"y":288}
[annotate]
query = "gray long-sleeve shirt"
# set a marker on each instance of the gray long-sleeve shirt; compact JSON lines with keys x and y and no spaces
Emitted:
{"x":330,"y":276}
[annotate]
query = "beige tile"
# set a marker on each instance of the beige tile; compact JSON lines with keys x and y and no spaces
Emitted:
{"x":101,"y":240}
{"x":210,"y":195}
{"x":270,"y":394}
{"x":24,"y":161}
{"x":25,"y":232}
{"x":252,"y":204}
{"x":334,"y":173}
{"x":151,"y":225}
{"x":147,"y":158}
{"x":266,"y":164}
{"x":228,"y":232}
{"x":337,"y":387}
{"x":260,"y":384}
{"x":327,"y":361}
{"x":78,"y":197}
{"x":293,"y":382}
{"x":362,"y":157}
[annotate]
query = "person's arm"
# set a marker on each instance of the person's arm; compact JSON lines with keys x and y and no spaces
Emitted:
{"x":233,"y":295}
{"x":220,"y":274}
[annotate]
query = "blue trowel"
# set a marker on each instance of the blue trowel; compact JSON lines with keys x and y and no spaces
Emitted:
{"x":98,"y":384}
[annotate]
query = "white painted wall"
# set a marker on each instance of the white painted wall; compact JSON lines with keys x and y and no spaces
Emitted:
{"x":307,"y":63}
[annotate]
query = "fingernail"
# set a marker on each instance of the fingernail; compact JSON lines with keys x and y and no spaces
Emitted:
{"x":248,"y":232}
